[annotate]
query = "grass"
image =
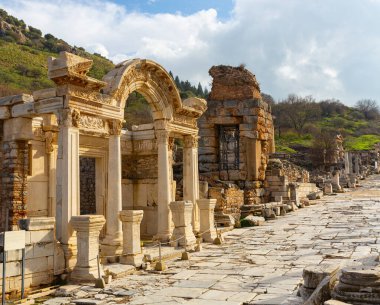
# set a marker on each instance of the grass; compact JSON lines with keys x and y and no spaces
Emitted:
{"x":23,"y":68}
{"x":292,"y":139}
{"x":363,"y":142}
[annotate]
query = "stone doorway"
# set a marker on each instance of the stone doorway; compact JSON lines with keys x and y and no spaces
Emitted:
{"x":87,"y":185}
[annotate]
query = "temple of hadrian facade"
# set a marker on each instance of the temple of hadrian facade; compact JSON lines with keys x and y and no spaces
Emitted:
{"x":64,"y":153}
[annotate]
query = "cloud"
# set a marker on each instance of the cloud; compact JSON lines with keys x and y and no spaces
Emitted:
{"x":323,"y":48}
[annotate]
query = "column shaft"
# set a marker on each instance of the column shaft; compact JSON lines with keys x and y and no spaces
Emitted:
{"x":191,"y":177}
{"x":112,"y":243}
{"x":164,"y":190}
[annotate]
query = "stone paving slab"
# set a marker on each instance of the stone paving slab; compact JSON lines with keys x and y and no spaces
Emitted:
{"x":258,"y":265}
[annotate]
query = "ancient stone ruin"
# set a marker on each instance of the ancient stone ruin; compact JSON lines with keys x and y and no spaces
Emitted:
{"x":236,"y":139}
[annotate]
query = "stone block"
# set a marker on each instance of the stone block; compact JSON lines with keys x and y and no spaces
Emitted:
{"x":35,"y":265}
{"x":37,"y":223}
{"x":17,"y":129}
{"x":208,"y":141}
{"x":4,"y":113}
{"x":42,"y":236}
{"x":16,"y":99}
{"x":44,"y":93}
{"x":43,"y":249}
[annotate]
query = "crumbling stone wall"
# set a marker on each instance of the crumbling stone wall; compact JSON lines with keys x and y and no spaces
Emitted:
{"x":139,"y":166}
{"x":15,"y":166}
{"x":236,"y":133}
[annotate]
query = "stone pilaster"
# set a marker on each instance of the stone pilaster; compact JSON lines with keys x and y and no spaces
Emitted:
{"x":207,"y":224}
{"x":183,"y":232}
{"x":164,"y":189}
{"x":131,"y":220}
{"x":112,"y":243}
{"x":88,"y":229}
{"x":67,"y":191}
{"x":190,"y":176}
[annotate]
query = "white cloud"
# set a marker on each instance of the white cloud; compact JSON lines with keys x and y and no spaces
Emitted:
{"x":323,"y":48}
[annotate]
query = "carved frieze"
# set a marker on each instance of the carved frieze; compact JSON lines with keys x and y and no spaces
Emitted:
{"x":91,"y":122}
{"x":92,"y":96}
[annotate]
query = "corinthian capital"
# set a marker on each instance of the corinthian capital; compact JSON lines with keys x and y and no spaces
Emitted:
{"x":115,"y":127}
{"x":68,"y":117}
{"x":162,"y":136}
{"x":190,"y":141}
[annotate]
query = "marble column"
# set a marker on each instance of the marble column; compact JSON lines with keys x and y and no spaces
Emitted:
{"x":183,"y":232}
{"x":112,"y":243}
{"x":88,"y":229}
{"x":347,"y":167}
{"x":207,"y":224}
{"x":51,"y":153}
{"x":131,"y":220}
{"x":164,"y":189}
{"x":190,"y":176}
{"x":68,"y":197}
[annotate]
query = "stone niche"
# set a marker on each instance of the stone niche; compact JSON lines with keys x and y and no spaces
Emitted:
{"x":236,"y":133}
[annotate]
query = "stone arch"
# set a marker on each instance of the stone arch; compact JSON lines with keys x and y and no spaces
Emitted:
{"x":149,"y":79}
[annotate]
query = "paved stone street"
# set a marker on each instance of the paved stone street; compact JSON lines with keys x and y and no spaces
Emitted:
{"x":258,"y":265}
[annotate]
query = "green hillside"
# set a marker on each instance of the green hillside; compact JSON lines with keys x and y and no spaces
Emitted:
{"x":302,"y":124}
{"x":24,"y":52}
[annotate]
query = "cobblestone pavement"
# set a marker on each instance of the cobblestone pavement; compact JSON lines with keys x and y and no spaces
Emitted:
{"x":258,"y":265}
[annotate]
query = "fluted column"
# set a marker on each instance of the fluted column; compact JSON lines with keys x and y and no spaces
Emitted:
{"x":112,"y":243}
{"x":164,"y":189}
{"x":191,"y":177}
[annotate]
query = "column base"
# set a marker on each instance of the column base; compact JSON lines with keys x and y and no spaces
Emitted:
{"x":85,"y":274}
{"x":162,"y":237}
{"x":111,"y":247}
{"x":133,"y":259}
{"x":209,"y":237}
{"x":70,"y":251}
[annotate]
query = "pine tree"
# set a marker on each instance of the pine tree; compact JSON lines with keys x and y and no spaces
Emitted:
{"x":200,"y":90}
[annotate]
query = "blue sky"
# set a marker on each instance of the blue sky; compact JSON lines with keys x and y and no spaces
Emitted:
{"x":324,"y":48}
{"x":185,"y":7}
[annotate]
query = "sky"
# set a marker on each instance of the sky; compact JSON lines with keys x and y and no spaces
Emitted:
{"x":324,"y":48}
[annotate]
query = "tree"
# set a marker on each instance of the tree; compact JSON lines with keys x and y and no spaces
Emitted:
{"x":298,"y":111}
{"x":200,"y":90}
{"x":369,"y":108}
{"x":324,"y":147}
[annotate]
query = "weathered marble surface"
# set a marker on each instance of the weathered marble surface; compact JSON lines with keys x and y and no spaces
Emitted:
{"x":260,"y":265}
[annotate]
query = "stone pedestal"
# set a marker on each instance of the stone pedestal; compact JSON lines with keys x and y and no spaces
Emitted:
{"x":88,"y":229}
{"x":132,"y":254}
{"x":207,"y":224}
{"x":182,"y":217}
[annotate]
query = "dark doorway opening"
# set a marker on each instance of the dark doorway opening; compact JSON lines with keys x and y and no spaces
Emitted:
{"x":87,"y":186}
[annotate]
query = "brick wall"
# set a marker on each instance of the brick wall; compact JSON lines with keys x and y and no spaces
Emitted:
{"x":15,"y":166}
